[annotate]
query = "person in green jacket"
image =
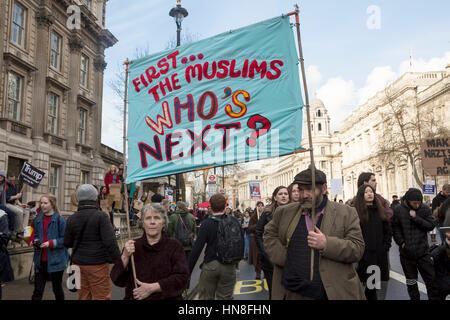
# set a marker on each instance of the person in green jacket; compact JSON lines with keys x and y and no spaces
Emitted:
{"x":182,"y":227}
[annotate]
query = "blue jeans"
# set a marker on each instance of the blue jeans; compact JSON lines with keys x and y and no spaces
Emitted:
{"x":131,"y":214}
{"x":247,"y":241}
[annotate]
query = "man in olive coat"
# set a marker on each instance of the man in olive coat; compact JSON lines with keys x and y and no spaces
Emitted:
{"x":336,"y":239}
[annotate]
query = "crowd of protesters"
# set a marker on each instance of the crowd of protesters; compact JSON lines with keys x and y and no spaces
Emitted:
{"x":330,"y":255}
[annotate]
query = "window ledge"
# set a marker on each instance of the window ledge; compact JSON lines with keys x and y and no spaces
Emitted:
{"x":51,"y":138}
{"x":15,"y":127}
{"x":84,"y":149}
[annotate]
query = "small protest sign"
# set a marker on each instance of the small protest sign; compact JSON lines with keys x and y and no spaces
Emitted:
{"x":436,"y":156}
{"x":31,"y":175}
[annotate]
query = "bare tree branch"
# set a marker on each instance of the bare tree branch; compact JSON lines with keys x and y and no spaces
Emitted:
{"x":404,"y":127}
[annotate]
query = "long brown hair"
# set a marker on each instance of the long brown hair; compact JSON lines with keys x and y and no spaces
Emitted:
{"x":274,"y":204}
{"x":290,"y":188}
{"x":361,"y":206}
{"x":52,"y":200}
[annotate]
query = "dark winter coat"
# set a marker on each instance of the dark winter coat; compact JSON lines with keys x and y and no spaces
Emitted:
{"x":58,"y":256}
{"x":442,"y":267}
{"x":264,"y":219}
{"x":6,"y":271}
{"x":437,"y":201}
{"x":163,"y":262}
{"x":413,"y":232}
{"x":99,"y":244}
{"x":394,"y":204}
{"x":377,"y":238}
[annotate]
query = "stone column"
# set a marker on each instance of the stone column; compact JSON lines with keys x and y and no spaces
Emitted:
{"x":99,"y":67}
{"x":44,"y":20}
{"x":41,"y":156}
{"x":75,"y":45}
{"x":99,"y":167}
{"x":2,"y":49}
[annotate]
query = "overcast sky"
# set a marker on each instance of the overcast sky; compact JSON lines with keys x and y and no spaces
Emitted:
{"x":349,"y":53}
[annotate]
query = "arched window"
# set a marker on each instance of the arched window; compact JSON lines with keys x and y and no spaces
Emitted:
{"x":320,"y":127}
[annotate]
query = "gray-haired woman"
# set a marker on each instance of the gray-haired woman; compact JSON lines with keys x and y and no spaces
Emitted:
{"x":161,"y":267}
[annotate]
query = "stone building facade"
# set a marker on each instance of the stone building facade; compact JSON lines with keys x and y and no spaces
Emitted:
{"x":429,"y":93}
{"x":51,"y":87}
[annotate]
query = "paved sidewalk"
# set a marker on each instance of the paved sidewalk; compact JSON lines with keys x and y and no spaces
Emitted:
{"x":22,"y":290}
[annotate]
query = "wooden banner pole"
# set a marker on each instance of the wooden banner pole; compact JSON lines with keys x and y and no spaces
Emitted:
{"x":127,"y":63}
{"x":308,"y":118}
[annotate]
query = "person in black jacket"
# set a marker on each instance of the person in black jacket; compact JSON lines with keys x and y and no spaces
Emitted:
{"x":95,"y":249}
{"x":377,"y":235}
{"x":441,"y":260}
{"x":412,"y":221}
{"x":6,"y":271}
{"x":280,"y":197}
{"x":437,"y":202}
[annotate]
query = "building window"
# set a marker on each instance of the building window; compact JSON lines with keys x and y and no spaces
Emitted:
{"x":55,"y":174}
{"x":319,"y":127}
{"x":82,"y":115}
{"x":319,"y":114}
{"x":322,"y":150}
{"x":18,"y":25}
{"x":14,"y":96}
{"x":84,"y":71}
{"x":84,"y":177}
{"x":55,"y":53}
{"x":53,"y":106}
{"x":323,"y":164}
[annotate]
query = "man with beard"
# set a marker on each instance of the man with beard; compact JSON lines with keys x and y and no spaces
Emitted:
{"x":336,"y":239}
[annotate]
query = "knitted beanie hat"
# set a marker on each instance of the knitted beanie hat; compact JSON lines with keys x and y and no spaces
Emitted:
{"x":413,"y":194}
{"x":87,"y":192}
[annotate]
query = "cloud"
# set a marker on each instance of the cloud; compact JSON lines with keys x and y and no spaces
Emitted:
{"x":339,"y":97}
{"x":377,"y":80}
{"x":314,"y":76}
{"x":420,"y":65}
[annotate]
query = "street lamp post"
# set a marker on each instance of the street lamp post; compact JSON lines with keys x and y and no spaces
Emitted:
{"x":178,"y":13}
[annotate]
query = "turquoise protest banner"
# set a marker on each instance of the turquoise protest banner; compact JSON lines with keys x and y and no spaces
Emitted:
{"x":231,"y":98}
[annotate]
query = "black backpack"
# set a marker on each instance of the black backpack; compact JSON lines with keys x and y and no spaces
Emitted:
{"x":184,"y":231}
{"x":230,"y":239}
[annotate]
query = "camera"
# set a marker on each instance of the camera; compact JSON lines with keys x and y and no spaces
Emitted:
{"x":37,"y":244}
